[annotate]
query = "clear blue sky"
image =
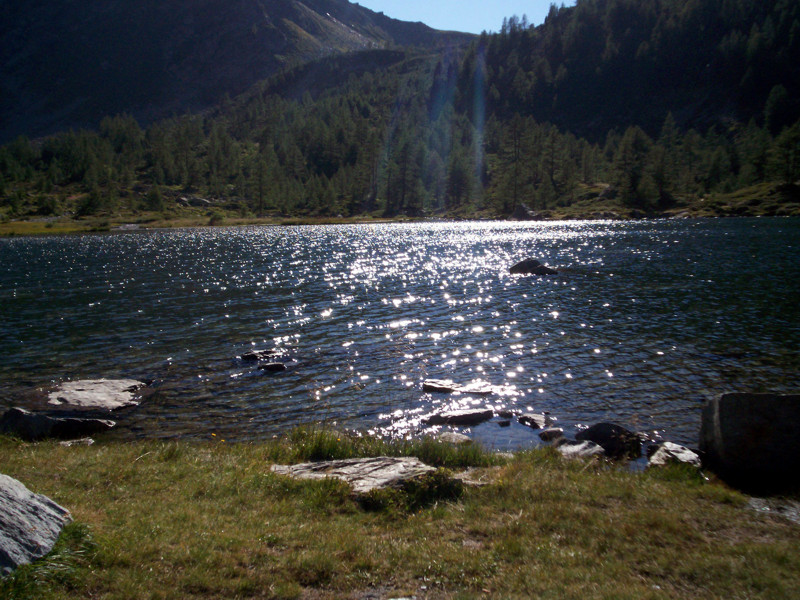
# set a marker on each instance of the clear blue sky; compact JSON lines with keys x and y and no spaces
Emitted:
{"x":472,"y":16}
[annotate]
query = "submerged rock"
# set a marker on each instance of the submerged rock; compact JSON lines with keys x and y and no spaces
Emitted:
{"x":617,"y":441}
{"x":751,"y":440}
{"x":669,"y":452}
{"x":109,"y":394}
{"x":445,"y":386}
{"x":29,"y":524}
{"x":274,"y":367}
{"x":531,"y":266}
{"x":363,"y":474}
{"x":31,"y":426}
{"x":461,"y":417}
{"x":256,"y":355}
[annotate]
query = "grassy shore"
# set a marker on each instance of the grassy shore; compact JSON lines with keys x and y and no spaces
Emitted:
{"x":183,"y":520}
{"x":767,"y":199}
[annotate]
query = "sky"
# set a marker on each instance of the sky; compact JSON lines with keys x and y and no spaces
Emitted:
{"x":473,"y":16}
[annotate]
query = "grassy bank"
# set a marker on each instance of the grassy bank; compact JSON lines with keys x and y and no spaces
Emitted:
{"x":767,"y":199}
{"x":182,"y":520}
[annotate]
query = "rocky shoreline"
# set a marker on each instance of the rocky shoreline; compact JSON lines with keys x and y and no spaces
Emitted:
{"x":746,"y":439}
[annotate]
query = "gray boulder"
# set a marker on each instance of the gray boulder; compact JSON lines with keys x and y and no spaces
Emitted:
{"x":617,"y":441}
{"x":31,"y":426}
{"x":461,"y":417}
{"x":108,"y":394}
{"x":578,"y":449}
{"x":752,"y":440}
{"x":531,"y":266}
{"x":452,"y":437}
{"x":29,"y":524}
{"x":669,"y":452}
{"x":363,"y":474}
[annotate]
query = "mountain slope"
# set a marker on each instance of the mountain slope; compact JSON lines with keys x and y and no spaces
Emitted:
{"x":66,"y":64}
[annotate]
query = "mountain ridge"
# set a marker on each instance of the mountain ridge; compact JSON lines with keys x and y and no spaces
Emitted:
{"x":65,"y":64}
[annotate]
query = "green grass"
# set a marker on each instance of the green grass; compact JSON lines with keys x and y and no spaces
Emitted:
{"x":209,"y":520}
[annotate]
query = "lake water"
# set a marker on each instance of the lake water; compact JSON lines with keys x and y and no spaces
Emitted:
{"x":645,"y":321}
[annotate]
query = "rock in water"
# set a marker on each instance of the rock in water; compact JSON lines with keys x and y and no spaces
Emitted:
{"x":256,"y":355}
{"x":752,"y":441}
{"x":531,"y":266}
{"x":445,"y":386}
{"x":32,"y":426}
{"x":617,"y":441}
{"x":439,"y":386}
{"x":551,"y":434}
{"x":669,"y":452}
{"x":29,"y":524}
{"x":461,"y":417}
{"x":109,"y":394}
{"x":363,"y":474}
{"x":534,"y":420}
{"x":273,"y":367}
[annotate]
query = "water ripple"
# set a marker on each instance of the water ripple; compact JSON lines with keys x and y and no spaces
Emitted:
{"x":645,"y":321}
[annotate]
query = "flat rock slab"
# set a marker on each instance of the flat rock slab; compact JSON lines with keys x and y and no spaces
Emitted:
{"x":31,"y":426}
{"x":109,"y":394}
{"x":461,"y":417}
{"x":363,"y":474}
{"x":29,"y":524}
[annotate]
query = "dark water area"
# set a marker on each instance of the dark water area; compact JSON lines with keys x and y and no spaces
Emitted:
{"x":645,"y":321}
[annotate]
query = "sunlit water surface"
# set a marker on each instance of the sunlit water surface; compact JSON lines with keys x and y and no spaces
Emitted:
{"x":645,"y":321}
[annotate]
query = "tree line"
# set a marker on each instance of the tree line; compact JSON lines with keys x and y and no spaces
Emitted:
{"x":476,"y":131}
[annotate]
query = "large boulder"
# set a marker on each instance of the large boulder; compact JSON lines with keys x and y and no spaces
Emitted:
{"x":363,"y":474}
{"x":108,"y":394}
{"x":531,"y":266}
{"x":617,"y":441}
{"x":31,"y":426}
{"x":29,"y":524}
{"x":753,"y":440}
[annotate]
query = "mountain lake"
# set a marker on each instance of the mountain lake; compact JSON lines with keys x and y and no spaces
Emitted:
{"x":644,"y":322}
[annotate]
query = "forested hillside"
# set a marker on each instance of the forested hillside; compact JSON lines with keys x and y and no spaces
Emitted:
{"x":610,"y":108}
{"x":66,"y":64}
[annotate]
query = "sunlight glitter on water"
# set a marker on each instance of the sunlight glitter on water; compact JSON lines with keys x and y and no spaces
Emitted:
{"x":362,"y":315}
